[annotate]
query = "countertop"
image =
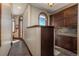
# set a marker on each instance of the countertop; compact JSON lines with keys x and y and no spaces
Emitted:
{"x":67,"y":34}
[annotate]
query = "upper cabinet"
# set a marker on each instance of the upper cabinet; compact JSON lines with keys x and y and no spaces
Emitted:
{"x":70,"y":16}
{"x":65,"y":18}
{"x":57,"y":17}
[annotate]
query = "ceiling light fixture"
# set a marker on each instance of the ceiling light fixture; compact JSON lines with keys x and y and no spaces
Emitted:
{"x":50,"y":4}
{"x":19,"y":7}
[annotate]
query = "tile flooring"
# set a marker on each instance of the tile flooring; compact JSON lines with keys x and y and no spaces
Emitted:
{"x":19,"y":49}
{"x":63,"y":52}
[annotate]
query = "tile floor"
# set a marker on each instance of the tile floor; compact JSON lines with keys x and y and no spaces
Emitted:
{"x":19,"y":49}
{"x":63,"y":52}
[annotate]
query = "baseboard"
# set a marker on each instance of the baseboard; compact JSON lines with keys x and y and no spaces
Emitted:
{"x":27,"y":47}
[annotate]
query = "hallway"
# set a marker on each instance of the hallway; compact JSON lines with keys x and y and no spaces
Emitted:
{"x":19,"y":49}
{"x":43,"y":33}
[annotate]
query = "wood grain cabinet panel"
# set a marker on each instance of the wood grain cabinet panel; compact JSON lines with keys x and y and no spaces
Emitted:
{"x":69,"y":43}
{"x":70,"y":16}
{"x":47,"y":39}
{"x":65,"y":18}
{"x":70,"y":11}
{"x":57,"y":19}
{"x":74,"y":45}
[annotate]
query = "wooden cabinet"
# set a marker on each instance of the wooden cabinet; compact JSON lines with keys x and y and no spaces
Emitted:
{"x":47,"y":41}
{"x":55,"y":19}
{"x":69,"y":43}
{"x":70,"y":11}
{"x":74,"y":45}
{"x":70,"y":16}
{"x":68,"y":19}
{"x":65,"y":18}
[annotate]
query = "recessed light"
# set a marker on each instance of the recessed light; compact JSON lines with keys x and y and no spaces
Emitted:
{"x":19,"y":7}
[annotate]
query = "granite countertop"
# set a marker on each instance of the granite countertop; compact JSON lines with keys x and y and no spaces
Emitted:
{"x":67,"y":34}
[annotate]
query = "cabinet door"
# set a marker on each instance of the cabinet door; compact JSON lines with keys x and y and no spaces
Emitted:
{"x":58,"y":41}
{"x":70,"y":16}
{"x":70,"y":11}
{"x":64,"y":42}
{"x":74,"y":45}
{"x":47,"y":39}
{"x":69,"y":43}
{"x":59,"y":19}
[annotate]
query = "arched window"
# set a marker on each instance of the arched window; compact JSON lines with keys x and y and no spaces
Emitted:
{"x":43,"y":19}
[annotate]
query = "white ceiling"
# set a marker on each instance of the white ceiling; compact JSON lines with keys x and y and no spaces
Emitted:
{"x":18,"y":8}
{"x":55,"y":7}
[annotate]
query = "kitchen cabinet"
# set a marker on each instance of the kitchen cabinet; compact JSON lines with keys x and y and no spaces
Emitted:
{"x":70,"y":11}
{"x":70,"y":16}
{"x":55,"y":19}
{"x":65,"y":18}
{"x":66,"y":42}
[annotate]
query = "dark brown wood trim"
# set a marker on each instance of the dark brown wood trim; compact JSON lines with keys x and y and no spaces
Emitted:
{"x":16,"y":38}
{"x":27,"y":46}
{"x":38,"y":26}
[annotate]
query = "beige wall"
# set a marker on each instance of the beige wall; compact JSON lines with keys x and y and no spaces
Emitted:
{"x":31,"y":15}
{"x":32,"y":36}
{"x":35,"y":14}
{"x":33,"y":40}
{"x":5,"y":29}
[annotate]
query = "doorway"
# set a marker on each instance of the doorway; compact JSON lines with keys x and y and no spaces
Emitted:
{"x":17,"y":27}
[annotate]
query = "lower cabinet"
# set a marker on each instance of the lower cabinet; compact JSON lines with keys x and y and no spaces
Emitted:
{"x":69,"y":43}
{"x":47,"y":39}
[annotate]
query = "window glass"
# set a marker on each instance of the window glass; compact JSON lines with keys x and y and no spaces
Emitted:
{"x":42,"y":20}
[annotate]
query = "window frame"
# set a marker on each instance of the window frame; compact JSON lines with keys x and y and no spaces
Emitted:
{"x":42,"y":13}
